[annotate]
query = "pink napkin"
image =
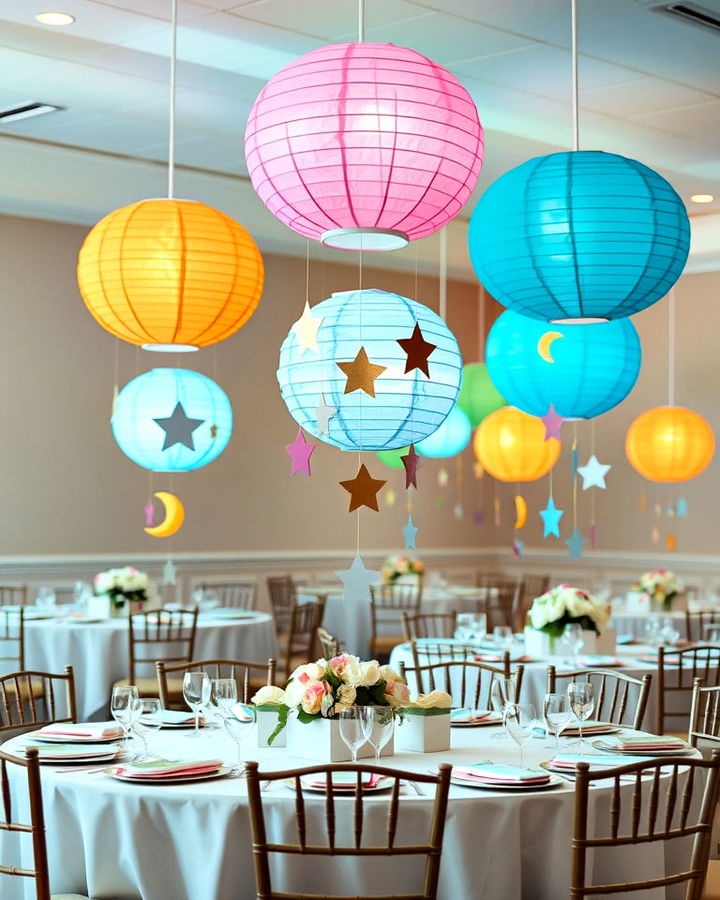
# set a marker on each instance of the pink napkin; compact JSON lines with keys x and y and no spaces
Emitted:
{"x":95,"y":731}
{"x":164,"y":768}
{"x":499,"y":774}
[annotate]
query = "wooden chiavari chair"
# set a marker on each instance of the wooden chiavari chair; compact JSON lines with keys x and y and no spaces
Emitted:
{"x":675,"y":675}
{"x":428,"y":625}
{"x":305,"y":619}
{"x":329,"y":646}
{"x":646,"y":812}
{"x":12,"y":639}
{"x":166,"y":635}
{"x":264,"y":848}
{"x":697,"y":621}
{"x":13,"y":595}
{"x":231,"y":594}
{"x":442,"y":651}
{"x":249,"y":677}
{"x":531,"y":586}
{"x":475,"y":685}
{"x":28,"y":700}
{"x":281,"y":589}
{"x":501,"y":599}
{"x":36,"y":828}
{"x":387,"y":603}
{"x":704,"y":714}
{"x":612,"y":691}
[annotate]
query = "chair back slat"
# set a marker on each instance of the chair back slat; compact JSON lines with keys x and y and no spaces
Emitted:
{"x":305,"y":619}
{"x":387,"y":604}
{"x":13,"y":595}
{"x":428,"y":625}
{"x":170,"y":634}
{"x":607,"y":706}
{"x":216,"y":668}
{"x":329,"y":646}
{"x":12,"y":638}
{"x":502,"y":598}
{"x":704,"y":714}
{"x":357,"y":846}
{"x":698,"y":621}
{"x":28,"y":700}
{"x":281,"y":589}
{"x":679,"y":669}
{"x":230,"y":594}
{"x":475,"y":679}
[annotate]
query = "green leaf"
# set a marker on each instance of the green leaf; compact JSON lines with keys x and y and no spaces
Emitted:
{"x":283,"y":711}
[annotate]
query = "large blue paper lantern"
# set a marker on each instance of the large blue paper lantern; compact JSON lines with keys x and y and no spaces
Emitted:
{"x":579,"y":235}
{"x":451,"y":437}
{"x":582,"y":370}
{"x":407,"y":406}
{"x":172,"y":420}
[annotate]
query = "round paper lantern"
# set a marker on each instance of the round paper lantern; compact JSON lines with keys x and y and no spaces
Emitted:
{"x":478,"y":395}
{"x":364,"y":146}
{"x":391,"y":458}
{"x":511,"y":446}
{"x":669,"y":443}
{"x":450,"y":438}
{"x":579,"y":235}
{"x":368,"y":325}
{"x":582,"y":370}
{"x":172,"y":420}
{"x":170,"y":274}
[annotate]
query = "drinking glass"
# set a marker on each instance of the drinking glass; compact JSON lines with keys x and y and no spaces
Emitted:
{"x":479,"y":627}
{"x":146,"y":719}
{"x":503,"y":635}
{"x":224,"y":692}
{"x":668,"y":632}
{"x":241,"y":731}
{"x":582,"y":702}
{"x":520,"y":718}
{"x":120,"y":707}
{"x":652,"y":632}
{"x":573,"y":636}
{"x":355,"y":726}
{"x":381,"y":728}
{"x":556,"y":713}
{"x":463,"y":627}
{"x":502,"y":692}
{"x":196,"y":691}
{"x":45,"y":600}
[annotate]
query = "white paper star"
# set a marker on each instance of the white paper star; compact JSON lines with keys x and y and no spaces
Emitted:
{"x":323,"y":414}
{"x":169,"y":572}
{"x":357,"y":580}
{"x":593,"y":473}
{"x":306,"y":329}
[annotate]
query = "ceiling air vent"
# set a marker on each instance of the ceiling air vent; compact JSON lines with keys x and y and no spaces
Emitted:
{"x":26,"y":111}
{"x":691,"y":12}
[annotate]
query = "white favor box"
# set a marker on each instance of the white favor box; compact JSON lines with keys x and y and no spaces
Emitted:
{"x":98,"y":607}
{"x":320,"y":741}
{"x":423,"y":733}
{"x":267,"y":720}
{"x":638,"y":603}
{"x":541,"y":644}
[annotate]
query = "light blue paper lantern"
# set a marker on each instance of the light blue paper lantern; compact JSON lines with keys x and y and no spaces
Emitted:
{"x":582,"y":370}
{"x":156,"y":395}
{"x":407,"y":407}
{"x":451,"y":438}
{"x":579,"y":235}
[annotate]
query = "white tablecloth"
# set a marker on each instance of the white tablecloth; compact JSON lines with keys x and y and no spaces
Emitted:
{"x":192,"y":842}
{"x":98,"y":651}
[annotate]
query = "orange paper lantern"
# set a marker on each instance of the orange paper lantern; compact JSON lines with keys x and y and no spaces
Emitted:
{"x":170,"y":274}
{"x":669,"y":443}
{"x":511,"y":446}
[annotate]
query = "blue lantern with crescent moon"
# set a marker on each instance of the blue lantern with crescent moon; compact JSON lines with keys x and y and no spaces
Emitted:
{"x":579,"y":235}
{"x":451,"y":437}
{"x":172,"y":420}
{"x":582,"y":370}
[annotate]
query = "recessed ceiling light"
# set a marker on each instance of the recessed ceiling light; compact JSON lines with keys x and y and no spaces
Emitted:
{"x":55,"y":18}
{"x":27,"y":111}
{"x":702,"y":198}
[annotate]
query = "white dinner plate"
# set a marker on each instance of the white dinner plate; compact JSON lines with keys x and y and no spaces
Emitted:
{"x":231,"y":614}
{"x":170,"y":779}
{"x":498,"y":786}
{"x":76,"y":760}
{"x":70,"y":739}
{"x":687,"y":750}
{"x":480,"y":723}
{"x":384,"y":784}
{"x":574,"y":732}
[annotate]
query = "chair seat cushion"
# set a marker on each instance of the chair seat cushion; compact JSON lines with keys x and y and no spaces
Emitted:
{"x":384,"y":643}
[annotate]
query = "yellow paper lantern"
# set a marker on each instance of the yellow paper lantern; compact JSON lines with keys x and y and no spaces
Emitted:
{"x":170,"y":274}
{"x":669,"y":443}
{"x":511,"y":446}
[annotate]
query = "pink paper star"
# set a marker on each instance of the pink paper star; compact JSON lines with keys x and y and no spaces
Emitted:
{"x":410,"y":461}
{"x":552,"y":422}
{"x":149,"y":513}
{"x":300,"y":452}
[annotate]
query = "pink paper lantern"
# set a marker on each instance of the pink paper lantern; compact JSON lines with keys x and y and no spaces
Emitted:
{"x":364,"y":146}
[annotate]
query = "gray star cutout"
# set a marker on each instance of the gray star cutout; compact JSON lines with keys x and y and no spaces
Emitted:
{"x":179,"y":428}
{"x":323,"y":414}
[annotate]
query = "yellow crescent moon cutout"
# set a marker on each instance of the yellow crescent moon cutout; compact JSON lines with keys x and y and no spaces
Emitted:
{"x":520,"y":511}
{"x":174,"y":515}
{"x":544,"y":344}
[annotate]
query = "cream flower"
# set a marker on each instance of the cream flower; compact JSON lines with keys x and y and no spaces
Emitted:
{"x":312,"y":697}
{"x":388,"y":674}
{"x":269,"y":695}
{"x":338,"y":664}
{"x":361,"y":674}
{"x":346,"y":694}
{"x":434,"y":700}
{"x":397,"y":693}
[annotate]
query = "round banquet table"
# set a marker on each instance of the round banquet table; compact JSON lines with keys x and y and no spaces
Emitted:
{"x":109,"y":839}
{"x":98,"y":651}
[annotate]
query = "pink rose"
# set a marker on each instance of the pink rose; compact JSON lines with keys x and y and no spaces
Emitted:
{"x":312,"y":696}
{"x":397,"y":693}
{"x":338,"y":664}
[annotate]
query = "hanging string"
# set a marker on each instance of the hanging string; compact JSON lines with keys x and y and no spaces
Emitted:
{"x":443,"y":275}
{"x":592,"y":492}
{"x":671,"y":348}
{"x":574,"y":54}
{"x":415,"y":292}
{"x":115,"y":375}
{"x":361,"y":21}
{"x":171,"y":137}
{"x":575,"y":478}
{"x":307,"y":271}
{"x":481,"y":324}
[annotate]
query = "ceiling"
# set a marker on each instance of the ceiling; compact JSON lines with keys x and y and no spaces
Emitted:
{"x":649,"y":88}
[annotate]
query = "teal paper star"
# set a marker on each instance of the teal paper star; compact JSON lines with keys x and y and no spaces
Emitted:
{"x":575,"y":544}
{"x":409,"y":531}
{"x":551,"y":516}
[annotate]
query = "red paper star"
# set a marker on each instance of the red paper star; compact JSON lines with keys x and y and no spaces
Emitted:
{"x":363,"y":489}
{"x":418,"y":350}
{"x":410,"y":461}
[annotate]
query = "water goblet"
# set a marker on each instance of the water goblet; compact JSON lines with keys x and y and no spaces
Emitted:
{"x":196,"y":691}
{"x":503,"y":635}
{"x":355,"y":726}
{"x":463,"y":627}
{"x":582,"y":702}
{"x":573,"y":636}
{"x":479,"y":627}
{"x":146,"y":719}
{"x":224,"y":693}
{"x":120,"y":707}
{"x":556,"y":713}
{"x":381,"y":728}
{"x":519,"y":721}
{"x":241,"y":730}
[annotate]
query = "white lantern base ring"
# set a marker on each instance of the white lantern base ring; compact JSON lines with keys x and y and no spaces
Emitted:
{"x":170,"y":348}
{"x":591,"y":320}
{"x":364,"y":239}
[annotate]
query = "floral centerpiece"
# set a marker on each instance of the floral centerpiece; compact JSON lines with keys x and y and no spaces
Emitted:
{"x":126,"y":585}
{"x":321,"y":690}
{"x":396,"y":567}
{"x":563,"y":605}
{"x":661,"y":586}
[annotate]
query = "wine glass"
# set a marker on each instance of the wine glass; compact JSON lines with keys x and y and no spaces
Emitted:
{"x":463,"y":627}
{"x":120,"y":707}
{"x":224,"y":691}
{"x":502,"y":692}
{"x":479,"y":627}
{"x":355,"y":726}
{"x":503,"y":635}
{"x":381,"y":728}
{"x":519,"y":721}
{"x":652,"y":633}
{"x":573,"y":636}
{"x":146,"y":719}
{"x":196,"y":691}
{"x":556,"y":713}
{"x":45,"y":600}
{"x":668,"y":632}
{"x":241,"y":730}
{"x":582,"y":702}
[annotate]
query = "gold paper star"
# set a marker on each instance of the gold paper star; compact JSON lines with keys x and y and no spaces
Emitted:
{"x":418,"y":350}
{"x":213,"y":431}
{"x":306,"y":329}
{"x":363,"y":489}
{"x":361,"y":373}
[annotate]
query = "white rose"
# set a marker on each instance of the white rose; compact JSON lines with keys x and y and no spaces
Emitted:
{"x":539,"y":615}
{"x":388,"y":674}
{"x":269,"y":695}
{"x":345,"y":695}
{"x":362,"y":674}
{"x":434,"y":700}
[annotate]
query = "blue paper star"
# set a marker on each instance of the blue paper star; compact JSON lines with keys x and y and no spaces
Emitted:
{"x":575,"y":544}
{"x":409,"y":531}
{"x":681,"y":507}
{"x":551,"y":516}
